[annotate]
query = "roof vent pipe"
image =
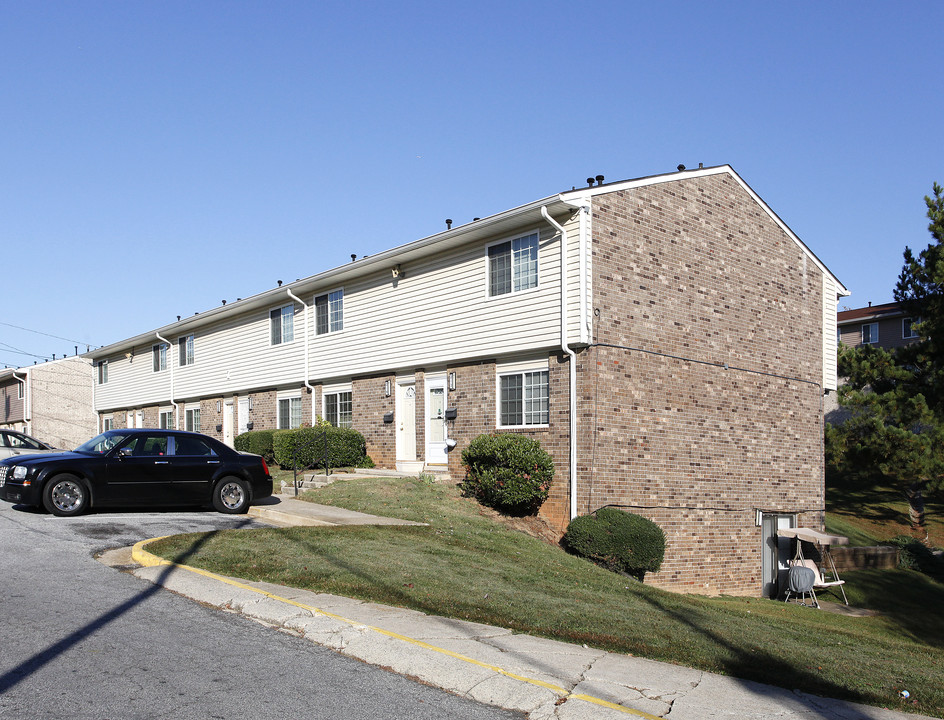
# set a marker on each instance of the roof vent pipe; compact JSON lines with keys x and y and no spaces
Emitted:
{"x":590,"y":182}
{"x":279,"y":282}
{"x":353,"y":257}
{"x":680,"y":168}
{"x":448,"y":223}
{"x":599,"y":179}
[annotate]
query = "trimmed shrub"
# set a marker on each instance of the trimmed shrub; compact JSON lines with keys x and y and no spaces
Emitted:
{"x":309,"y":447}
{"x":915,"y":555}
{"x":507,"y":471}
{"x":617,"y":540}
{"x":256,"y":441}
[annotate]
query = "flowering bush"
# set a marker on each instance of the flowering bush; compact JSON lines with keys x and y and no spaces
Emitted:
{"x":507,"y":471}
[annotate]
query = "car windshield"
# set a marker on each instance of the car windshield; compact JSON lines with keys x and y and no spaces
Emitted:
{"x":101,"y":444}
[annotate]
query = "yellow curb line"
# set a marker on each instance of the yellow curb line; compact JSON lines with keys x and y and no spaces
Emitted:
{"x":146,"y":559}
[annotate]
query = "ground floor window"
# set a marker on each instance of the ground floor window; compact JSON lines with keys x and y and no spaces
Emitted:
{"x":523,"y":398}
{"x":108,"y":422}
{"x":338,"y":407}
{"x":290,"y":412}
{"x":192,"y":419}
{"x":167,"y":419}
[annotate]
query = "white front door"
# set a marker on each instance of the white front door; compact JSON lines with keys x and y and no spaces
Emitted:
{"x":139,"y":419}
{"x":243,"y":415}
{"x":406,"y":421}
{"x":228,"y":422}
{"x":776,"y":553}
{"x":129,"y":420}
{"x":436,"y":420}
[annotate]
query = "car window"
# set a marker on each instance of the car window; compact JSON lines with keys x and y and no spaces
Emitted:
{"x":148,"y":445}
{"x":15,"y":440}
{"x":101,"y":444}
{"x":3,"y":439}
{"x":192,"y":446}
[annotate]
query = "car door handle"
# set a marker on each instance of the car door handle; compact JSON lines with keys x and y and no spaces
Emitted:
{"x":213,"y":462}
{"x":161,"y":462}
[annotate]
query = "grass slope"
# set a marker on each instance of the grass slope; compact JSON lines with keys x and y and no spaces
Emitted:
{"x":466,"y":565}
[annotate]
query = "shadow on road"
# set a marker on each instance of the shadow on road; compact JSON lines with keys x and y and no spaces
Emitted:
{"x":40,"y":659}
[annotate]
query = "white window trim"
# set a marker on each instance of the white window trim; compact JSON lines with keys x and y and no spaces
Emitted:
{"x":283,"y":341}
{"x":192,"y":354}
{"x":168,"y":410}
{"x":488,"y":268}
{"x":102,"y":372}
{"x":519,"y":368}
{"x":157,"y":347}
{"x":314,"y":311}
{"x":334,"y":390}
{"x":189,"y":409}
{"x":108,"y":422}
{"x":288,"y":395}
{"x":913,"y":333}
{"x":872,"y":340}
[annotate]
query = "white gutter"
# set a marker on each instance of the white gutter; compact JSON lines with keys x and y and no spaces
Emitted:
{"x":572,"y":364}
{"x":311,"y":390}
{"x":27,"y":400}
{"x":170,"y":364}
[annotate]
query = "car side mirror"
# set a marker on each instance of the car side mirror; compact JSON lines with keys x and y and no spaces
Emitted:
{"x":125,"y":452}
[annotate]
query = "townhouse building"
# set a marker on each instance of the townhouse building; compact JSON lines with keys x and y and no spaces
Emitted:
{"x":51,"y":401}
{"x":667,"y":339}
{"x":887,"y":326}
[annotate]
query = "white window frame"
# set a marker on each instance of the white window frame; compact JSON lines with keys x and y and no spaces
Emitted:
{"x":185,"y":350}
{"x":335,"y":391}
{"x":283,"y":319}
{"x":873,"y":336}
{"x":514,"y":259}
{"x":168,"y":413}
{"x":108,"y":422}
{"x":159,"y":357}
{"x":191,"y":421}
{"x":102,"y":372}
{"x":333,"y":302}
{"x":288,"y":398}
{"x":20,"y":390}
{"x":909,"y":323}
{"x":526,"y":371}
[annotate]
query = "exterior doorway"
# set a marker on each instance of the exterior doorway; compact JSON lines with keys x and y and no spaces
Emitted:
{"x":406,"y":426}
{"x":776,"y":553}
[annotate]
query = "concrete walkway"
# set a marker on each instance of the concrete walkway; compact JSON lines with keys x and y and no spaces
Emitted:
{"x":541,"y":678}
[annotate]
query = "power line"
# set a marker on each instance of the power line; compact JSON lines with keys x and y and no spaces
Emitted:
{"x":57,"y":337}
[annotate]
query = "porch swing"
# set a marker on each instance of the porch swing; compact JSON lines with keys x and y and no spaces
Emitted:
{"x":824,"y":541}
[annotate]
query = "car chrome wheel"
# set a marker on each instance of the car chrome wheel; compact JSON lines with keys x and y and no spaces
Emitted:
{"x":67,"y":496}
{"x":232,"y":496}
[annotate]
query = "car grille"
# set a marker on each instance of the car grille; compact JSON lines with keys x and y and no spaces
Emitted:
{"x":3,"y":475}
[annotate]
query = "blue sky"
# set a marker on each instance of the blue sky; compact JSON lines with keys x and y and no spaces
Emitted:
{"x":157,"y":158}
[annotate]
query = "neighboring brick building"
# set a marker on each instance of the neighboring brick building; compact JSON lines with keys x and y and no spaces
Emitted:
{"x":51,"y":401}
{"x":668,"y":340}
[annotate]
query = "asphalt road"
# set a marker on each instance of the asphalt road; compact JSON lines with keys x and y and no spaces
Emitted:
{"x":82,"y":640}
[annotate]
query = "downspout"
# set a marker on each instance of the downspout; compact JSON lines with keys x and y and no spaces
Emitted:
{"x":573,"y":364}
{"x":170,"y":362}
{"x":311,"y":390}
{"x":27,"y":401}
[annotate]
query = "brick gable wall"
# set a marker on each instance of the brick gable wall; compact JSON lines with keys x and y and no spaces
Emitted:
{"x":690,"y":276}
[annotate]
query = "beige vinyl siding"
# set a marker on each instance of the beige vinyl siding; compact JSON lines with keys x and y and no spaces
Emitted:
{"x":440,"y":311}
{"x":830,"y":300}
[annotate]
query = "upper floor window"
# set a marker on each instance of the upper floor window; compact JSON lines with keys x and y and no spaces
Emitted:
{"x":20,"y":392}
{"x":185,"y":350}
{"x":290,"y":412}
{"x":907,"y":328}
{"x":869,"y":333}
{"x":282,"y":325}
{"x":329,"y":312}
{"x":159,"y":354}
{"x":102,"y":372}
{"x":513,"y":265}
{"x":338,"y":408}
{"x":524,"y":398}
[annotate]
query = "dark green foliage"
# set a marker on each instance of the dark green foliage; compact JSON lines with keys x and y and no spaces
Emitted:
{"x":895,"y":400}
{"x":256,"y":441}
{"x":309,"y":447}
{"x":617,"y":540}
{"x":913,"y":555}
{"x":507,"y":471}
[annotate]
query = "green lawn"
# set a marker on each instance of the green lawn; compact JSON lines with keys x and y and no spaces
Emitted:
{"x":467,"y":565}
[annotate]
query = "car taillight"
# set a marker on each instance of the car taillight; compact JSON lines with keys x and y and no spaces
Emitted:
{"x":265,"y":467}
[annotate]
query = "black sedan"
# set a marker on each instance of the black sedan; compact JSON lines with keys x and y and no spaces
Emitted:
{"x":138,"y":467}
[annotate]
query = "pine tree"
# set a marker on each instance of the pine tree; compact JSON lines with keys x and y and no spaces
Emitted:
{"x":895,"y":400}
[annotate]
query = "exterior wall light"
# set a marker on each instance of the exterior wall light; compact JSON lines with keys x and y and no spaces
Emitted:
{"x":386,"y":388}
{"x":452,"y":381}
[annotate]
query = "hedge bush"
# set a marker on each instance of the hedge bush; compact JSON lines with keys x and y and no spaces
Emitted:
{"x":507,"y":471}
{"x":256,"y":441}
{"x":306,"y":447}
{"x":617,"y":540}
{"x":915,"y":555}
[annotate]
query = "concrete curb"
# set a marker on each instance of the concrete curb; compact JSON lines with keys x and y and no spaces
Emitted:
{"x":545,"y":679}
